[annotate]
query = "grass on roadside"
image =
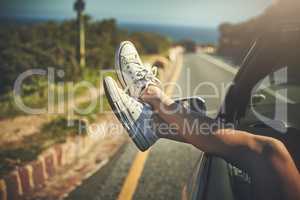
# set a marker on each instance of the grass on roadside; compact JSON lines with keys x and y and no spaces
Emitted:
{"x":101,"y":107}
{"x":39,"y":98}
{"x":56,"y":131}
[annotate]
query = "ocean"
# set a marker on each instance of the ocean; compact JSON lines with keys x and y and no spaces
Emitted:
{"x":177,"y":33}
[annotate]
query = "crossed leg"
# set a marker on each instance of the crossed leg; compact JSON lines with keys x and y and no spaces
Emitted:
{"x":272,"y":170}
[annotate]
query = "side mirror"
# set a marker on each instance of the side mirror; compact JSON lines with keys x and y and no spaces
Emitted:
{"x":196,"y":104}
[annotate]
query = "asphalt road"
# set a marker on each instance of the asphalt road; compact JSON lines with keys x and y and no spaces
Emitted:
{"x":169,"y":164}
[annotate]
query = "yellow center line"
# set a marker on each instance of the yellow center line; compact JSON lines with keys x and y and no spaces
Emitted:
{"x":134,"y":175}
{"x":137,"y":167}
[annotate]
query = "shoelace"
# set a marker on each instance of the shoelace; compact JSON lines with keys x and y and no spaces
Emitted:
{"x":149,"y":76}
{"x":145,"y":74}
{"x":142,"y":74}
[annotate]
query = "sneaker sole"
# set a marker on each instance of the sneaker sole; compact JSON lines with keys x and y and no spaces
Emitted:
{"x":116,"y":103}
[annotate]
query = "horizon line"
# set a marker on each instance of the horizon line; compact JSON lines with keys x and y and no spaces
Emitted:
{"x":119,"y":22}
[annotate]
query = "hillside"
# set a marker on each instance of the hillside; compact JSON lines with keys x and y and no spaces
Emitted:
{"x":235,"y":39}
{"x":53,"y":44}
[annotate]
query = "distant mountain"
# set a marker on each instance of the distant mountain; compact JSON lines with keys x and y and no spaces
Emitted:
{"x":235,"y":39}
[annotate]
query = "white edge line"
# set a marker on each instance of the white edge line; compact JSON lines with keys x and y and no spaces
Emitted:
{"x":220,"y":63}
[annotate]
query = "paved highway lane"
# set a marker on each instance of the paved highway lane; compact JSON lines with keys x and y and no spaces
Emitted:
{"x":200,"y":76}
{"x":169,"y":163}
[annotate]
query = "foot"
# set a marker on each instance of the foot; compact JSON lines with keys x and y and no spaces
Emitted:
{"x":133,"y":75}
{"x":134,"y":116}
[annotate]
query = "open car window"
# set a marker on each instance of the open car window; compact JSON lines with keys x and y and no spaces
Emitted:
{"x":280,"y":86}
{"x":275,"y":100}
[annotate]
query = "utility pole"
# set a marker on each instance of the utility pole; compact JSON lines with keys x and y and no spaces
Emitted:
{"x":80,"y":50}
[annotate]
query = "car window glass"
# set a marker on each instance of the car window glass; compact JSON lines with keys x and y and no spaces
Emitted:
{"x":275,"y":96}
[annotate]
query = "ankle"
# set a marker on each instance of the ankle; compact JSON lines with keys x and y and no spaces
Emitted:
{"x":154,"y":96}
{"x":151,"y":92}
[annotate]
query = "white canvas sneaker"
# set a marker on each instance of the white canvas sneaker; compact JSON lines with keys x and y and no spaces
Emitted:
{"x":133,"y":75}
{"x":134,"y":116}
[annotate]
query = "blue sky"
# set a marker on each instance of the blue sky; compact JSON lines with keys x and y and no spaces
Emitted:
{"x":201,"y":13}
